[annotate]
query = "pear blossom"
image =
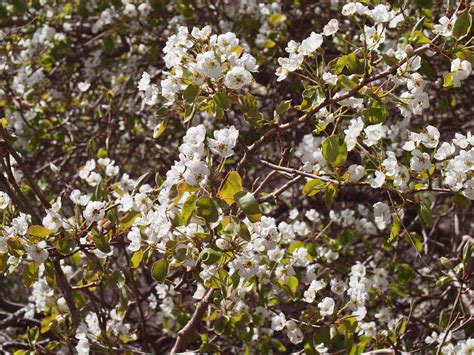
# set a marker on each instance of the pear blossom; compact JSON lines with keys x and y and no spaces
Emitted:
{"x":237,"y":78}
{"x":374,"y":133}
{"x":38,"y":252}
{"x":331,"y":28}
{"x":208,"y":65}
{"x":382,"y":215}
{"x":330,"y":78}
{"x":461,"y":70}
{"x":294,"y":333}
{"x":377,"y":180}
{"x":445,"y":26}
{"x":196,"y":173}
{"x":314,"y":288}
{"x":94,"y":211}
{"x":310,"y":44}
{"x":420,"y":161}
{"x":326,"y":306}
{"x":356,"y":172}
{"x":444,"y":151}
{"x":151,"y":90}
{"x":374,"y":36}
{"x":4,"y":200}
{"x":278,"y":322}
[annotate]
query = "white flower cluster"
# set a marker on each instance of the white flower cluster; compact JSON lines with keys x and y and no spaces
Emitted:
{"x":199,"y":58}
{"x":104,"y":165}
{"x":297,"y":53}
{"x":460,"y":70}
{"x":457,"y":168}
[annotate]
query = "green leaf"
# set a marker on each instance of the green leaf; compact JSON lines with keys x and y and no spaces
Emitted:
{"x":462,"y":202}
{"x":401,"y":326}
{"x":127,"y":220}
{"x":211,"y":256}
{"x":314,"y":186}
{"x":292,"y":283}
{"x":244,"y":232}
{"x":375,"y":115}
{"x":180,"y":190}
{"x":443,"y":280}
{"x":335,"y":150}
{"x":206,"y":208}
{"x":188,"y":209}
{"x":397,"y":289}
{"x":249,"y":205}
{"x":102,"y":153}
{"x":3,"y":262}
{"x":160,"y":128}
{"x":347,"y":325}
{"x":231,"y":185}
{"x":345,"y":82}
{"x":426,"y":216}
{"x":463,"y":25}
{"x":276,"y":18}
{"x":448,"y":80}
{"x":416,"y":240}
{"x":118,"y":279}
{"x":101,"y":243}
{"x":394,"y":230}
{"x":222,"y":100}
{"x":340,"y":64}
{"x":220,"y":324}
{"x":159,"y":270}
{"x":248,"y":105}
{"x":191,"y":93}
{"x":136,"y":259}
{"x":65,"y":245}
{"x":354,"y":65}
{"x":39,"y":231}
{"x":283,"y":107}
{"x":30,"y":274}
{"x":33,"y":335}
{"x":331,"y":192}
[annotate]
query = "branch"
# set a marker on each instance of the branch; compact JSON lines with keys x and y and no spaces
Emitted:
{"x":66,"y":290}
{"x":190,"y":327}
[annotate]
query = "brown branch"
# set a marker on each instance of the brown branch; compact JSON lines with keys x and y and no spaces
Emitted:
{"x":66,"y":290}
{"x":190,"y":327}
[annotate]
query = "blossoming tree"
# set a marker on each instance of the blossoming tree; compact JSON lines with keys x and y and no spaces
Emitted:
{"x":236,"y":176}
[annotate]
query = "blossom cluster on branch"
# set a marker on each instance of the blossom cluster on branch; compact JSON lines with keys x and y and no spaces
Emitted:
{"x":244,"y":176}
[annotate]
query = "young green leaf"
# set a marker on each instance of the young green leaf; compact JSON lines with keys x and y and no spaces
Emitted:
{"x":136,"y":259}
{"x":206,"y":208}
{"x":160,"y":128}
{"x":159,"y":270}
{"x":39,"y":231}
{"x":314,"y":186}
{"x":191,"y":93}
{"x":293,"y":283}
{"x":222,"y":100}
{"x":231,"y":185}
{"x":334,"y":150}
{"x":426,"y":216}
{"x":211,"y":256}
{"x":463,"y":25}
{"x":188,"y":209}
{"x":283,"y":107}
{"x":249,"y":205}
